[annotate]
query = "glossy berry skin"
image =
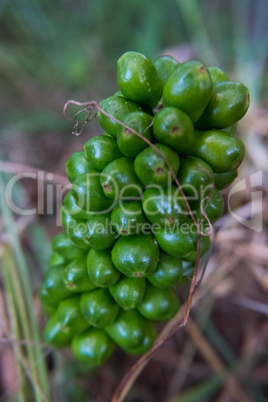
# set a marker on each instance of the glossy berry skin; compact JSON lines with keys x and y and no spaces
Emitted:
{"x":173,"y":127}
{"x":231,"y":130}
{"x":56,"y":259}
{"x":93,"y":347}
{"x":196,"y":177}
{"x":224,"y":180}
{"x":118,"y":107}
{"x":164,"y":206}
{"x":76,"y":277}
{"x":63,"y":245}
{"x":136,"y":256}
{"x":151,"y":168}
{"x":204,"y":246}
{"x":70,"y":207}
{"x":128,"y":218}
{"x":56,"y":333}
{"x":213,"y":207}
{"x":132,"y":332}
{"x":189,"y":88}
{"x":88,"y":194}
{"x":76,"y":165}
{"x":54,"y":288}
{"x":76,"y":230}
{"x":101,"y":150}
{"x":119,"y":179}
{"x":129,"y":143}
{"x":100,"y":233}
{"x":138,"y":80}
{"x":100,"y":268}
{"x":168,"y":272}
{"x":164,"y":66}
{"x":228,"y":104}
{"x":128,"y":292}
{"x":99,"y":308}
{"x":158,"y":304}
{"x":70,"y":316}
{"x":217,"y":75}
{"x":221,"y":151}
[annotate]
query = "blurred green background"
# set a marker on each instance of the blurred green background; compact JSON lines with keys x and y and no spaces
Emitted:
{"x":51,"y":52}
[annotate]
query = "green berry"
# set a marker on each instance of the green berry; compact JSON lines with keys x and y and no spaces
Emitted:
{"x":129,"y":143}
{"x":100,"y":233}
{"x":102,"y":150}
{"x":128,"y":218}
{"x":128,"y":292}
{"x":217,"y":75}
{"x":119,"y":180}
{"x":117,"y":107}
{"x":164,"y":206}
{"x":164,"y":66}
{"x":189,"y":88}
{"x":173,"y":127}
{"x":138,"y":80}
{"x":101,"y":270}
{"x":223,"y":180}
{"x":99,"y":308}
{"x":93,"y":347}
{"x":228,"y":104}
{"x":76,"y":276}
{"x":168,"y":272}
{"x":132,"y":332}
{"x":158,"y":304}
{"x":136,"y":256}
{"x":77,"y":165}
{"x":151,"y":168}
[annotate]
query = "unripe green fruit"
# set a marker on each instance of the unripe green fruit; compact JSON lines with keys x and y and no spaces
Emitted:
{"x":128,"y":219}
{"x":56,"y":259}
{"x":76,"y":277}
{"x":93,"y":347}
{"x":217,"y":75}
{"x":117,"y":107}
{"x":99,"y":308}
{"x":158,"y":304}
{"x":63,"y":245}
{"x":72,"y":209}
{"x":213,"y":207}
{"x":54,"y":288}
{"x":56,"y":333}
{"x":76,"y":230}
{"x":132,"y":332}
{"x":128,"y":292}
{"x":100,"y":233}
{"x":70,"y":316}
{"x":101,"y":150}
{"x":168,"y":272}
{"x":101,"y":270}
{"x":151,"y":168}
{"x":228,"y":104}
{"x":189,"y":88}
{"x":129,"y":143}
{"x":204,"y":247}
{"x":136,"y":256}
{"x":231,"y":130}
{"x":223,"y":180}
{"x":164,"y":66}
{"x":88,"y":194}
{"x":221,"y":151}
{"x":119,"y":180}
{"x":138,"y":80}
{"x":164,"y":206}
{"x":173,"y":127}
{"x":77,"y":165}
{"x":195,"y":177}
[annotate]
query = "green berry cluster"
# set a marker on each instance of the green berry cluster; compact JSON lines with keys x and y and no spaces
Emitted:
{"x":129,"y":238}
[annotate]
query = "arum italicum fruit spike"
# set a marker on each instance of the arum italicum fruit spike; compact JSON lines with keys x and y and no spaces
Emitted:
{"x":129,"y":236}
